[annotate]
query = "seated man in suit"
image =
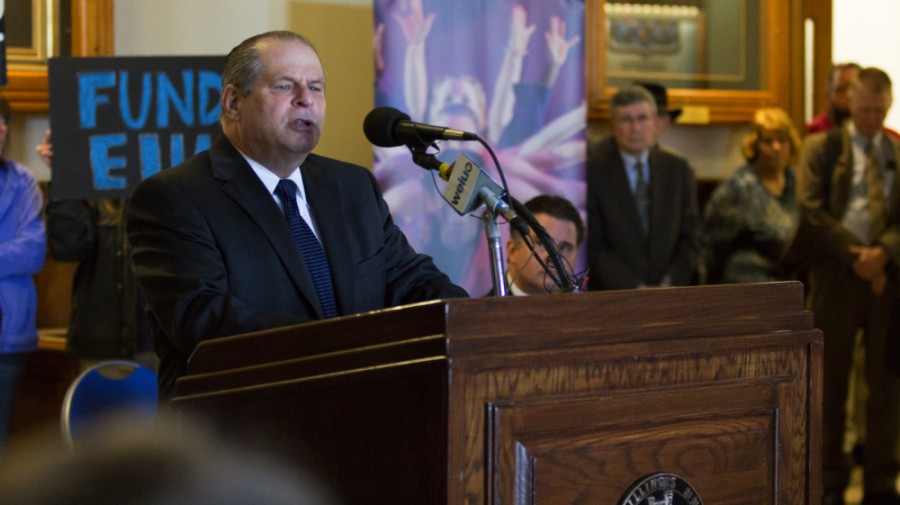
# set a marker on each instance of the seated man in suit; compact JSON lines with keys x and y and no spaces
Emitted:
{"x":258,"y":232}
{"x":643,"y":222}
{"x":524,"y":274}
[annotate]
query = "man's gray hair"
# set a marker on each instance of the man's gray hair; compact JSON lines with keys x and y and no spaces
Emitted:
{"x":243,"y":65}
{"x":874,"y":79}
{"x":629,"y":96}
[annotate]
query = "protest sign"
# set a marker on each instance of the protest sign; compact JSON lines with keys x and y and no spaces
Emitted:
{"x":116,"y":121}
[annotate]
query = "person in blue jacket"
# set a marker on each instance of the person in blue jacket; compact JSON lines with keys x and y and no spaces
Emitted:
{"x":22,"y":250}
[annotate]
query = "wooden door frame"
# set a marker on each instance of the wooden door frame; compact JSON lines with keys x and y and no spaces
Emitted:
{"x":820,"y":12}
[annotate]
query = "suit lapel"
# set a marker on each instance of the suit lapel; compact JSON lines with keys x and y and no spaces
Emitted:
{"x":243,"y":186}
{"x":842,"y":177}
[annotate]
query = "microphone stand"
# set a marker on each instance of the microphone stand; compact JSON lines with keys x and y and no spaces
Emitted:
{"x":491,"y":229}
{"x":492,"y":232}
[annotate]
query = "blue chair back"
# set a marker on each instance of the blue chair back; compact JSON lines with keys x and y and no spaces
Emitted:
{"x":107,"y":389}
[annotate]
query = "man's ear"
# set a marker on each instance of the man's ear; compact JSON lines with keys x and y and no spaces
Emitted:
{"x":231,"y":102}
{"x":510,"y":248}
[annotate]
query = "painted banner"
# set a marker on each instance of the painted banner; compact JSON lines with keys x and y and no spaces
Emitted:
{"x":510,"y":71}
{"x":116,"y":121}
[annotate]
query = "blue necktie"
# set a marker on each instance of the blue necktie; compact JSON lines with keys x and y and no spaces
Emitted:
{"x":310,"y":248}
{"x":642,"y":197}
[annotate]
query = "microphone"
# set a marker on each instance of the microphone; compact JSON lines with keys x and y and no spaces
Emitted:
{"x":389,"y":127}
{"x":469,"y":186}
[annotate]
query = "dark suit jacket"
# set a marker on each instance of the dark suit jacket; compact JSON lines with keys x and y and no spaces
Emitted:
{"x":619,"y":256}
{"x":214,"y":256}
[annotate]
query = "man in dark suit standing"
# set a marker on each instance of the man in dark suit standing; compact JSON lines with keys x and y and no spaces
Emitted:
{"x":850,"y":231}
{"x":258,"y":232}
{"x":643,"y":222}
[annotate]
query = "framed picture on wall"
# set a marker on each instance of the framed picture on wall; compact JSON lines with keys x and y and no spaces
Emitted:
{"x":650,"y":44}
{"x":46,"y":28}
{"x":31,"y":33}
{"x":720,"y":60}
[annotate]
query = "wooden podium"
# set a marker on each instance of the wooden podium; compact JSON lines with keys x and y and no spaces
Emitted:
{"x":546,"y":400}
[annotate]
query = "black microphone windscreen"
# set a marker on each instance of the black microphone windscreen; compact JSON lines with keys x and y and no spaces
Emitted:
{"x":379,"y":126}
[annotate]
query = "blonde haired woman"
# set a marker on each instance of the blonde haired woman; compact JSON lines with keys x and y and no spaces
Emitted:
{"x":751,"y":217}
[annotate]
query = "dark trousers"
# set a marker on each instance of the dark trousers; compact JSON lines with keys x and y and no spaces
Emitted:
{"x":11,"y":366}
{"x":842,"y":303}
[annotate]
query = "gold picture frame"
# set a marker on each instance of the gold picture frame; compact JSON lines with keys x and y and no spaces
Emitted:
{"x":91,"y":35}
{"x":39,"y":39}
{"x":654,"y":44}
{"x":760,"y":77}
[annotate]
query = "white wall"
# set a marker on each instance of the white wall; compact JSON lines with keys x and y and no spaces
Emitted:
{"x":201,"y":27}
{"x":25,"y":132}
{"x":195,"y":27}
{"x":865,"y":31}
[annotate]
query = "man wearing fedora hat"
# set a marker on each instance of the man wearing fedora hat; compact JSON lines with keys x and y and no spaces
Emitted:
{"x":666,"y":115}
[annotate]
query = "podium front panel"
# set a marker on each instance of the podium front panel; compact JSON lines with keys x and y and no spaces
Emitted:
{"x":539,"y":400}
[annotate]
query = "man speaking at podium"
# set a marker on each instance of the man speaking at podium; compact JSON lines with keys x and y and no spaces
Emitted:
{"x":258,"y":232}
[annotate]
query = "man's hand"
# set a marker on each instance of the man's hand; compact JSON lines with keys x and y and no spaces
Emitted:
{"x":878,"y":284}
{"x":519,"y":31}
{"x":870,"y":261}
{"x":557,"y":45}
{"x":45,"y":149}
{"x":412,"y":20}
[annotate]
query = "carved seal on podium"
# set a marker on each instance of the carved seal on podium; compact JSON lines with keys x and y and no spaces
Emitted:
{"x":661,"y":489}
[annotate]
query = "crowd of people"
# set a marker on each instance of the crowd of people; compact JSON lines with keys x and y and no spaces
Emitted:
{"x":259,"y":232}
{"x":825,"y":210}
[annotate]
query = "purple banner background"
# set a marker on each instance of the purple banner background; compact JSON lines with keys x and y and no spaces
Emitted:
{"x":513,"y":72}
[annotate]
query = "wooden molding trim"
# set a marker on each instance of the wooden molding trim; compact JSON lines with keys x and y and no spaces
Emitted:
{"x":92,"y":28}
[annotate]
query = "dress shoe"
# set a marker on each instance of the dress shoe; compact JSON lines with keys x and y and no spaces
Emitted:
{"x":833,"y":498}
{"x":881,"y":499}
